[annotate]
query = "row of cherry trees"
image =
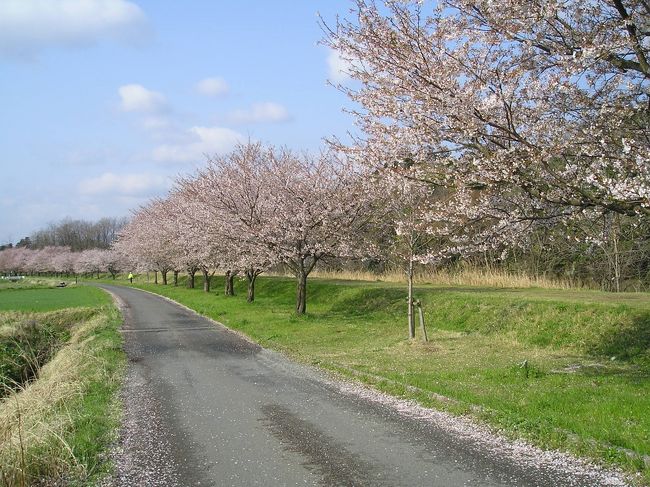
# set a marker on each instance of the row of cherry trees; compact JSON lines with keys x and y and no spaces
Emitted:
{"x":61,"y":261}
{"x":258,"y":207}
{"x":255,"y":208}
{"x":252,"y":209}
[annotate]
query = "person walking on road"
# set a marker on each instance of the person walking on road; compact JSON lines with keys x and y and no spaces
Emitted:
{"x":131,"y":277}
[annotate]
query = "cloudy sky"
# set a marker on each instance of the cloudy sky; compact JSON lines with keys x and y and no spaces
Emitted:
{"x":103,"y":102}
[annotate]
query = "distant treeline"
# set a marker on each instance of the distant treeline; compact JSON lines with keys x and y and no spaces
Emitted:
{"x":77,"y":234}
{"x":610,"y":253}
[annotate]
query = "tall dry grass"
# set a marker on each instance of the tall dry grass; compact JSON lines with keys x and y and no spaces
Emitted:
{"x":35,"y":420}
{"x":461,"y":277}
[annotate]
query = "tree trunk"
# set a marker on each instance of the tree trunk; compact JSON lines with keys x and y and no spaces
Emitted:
{"x":411,"y":320}
{"x":301,"y":292}
{"x":175,"y":278}
{"x":206,"y":281}
{"x":251,"y":275}
{"x":230,"y":283}
{"x":164,"y":277}
{"x":155,"y":277}
{"x":617,"y":257}
{"x":190,"y":279}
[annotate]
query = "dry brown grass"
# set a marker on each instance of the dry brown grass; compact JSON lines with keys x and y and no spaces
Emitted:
{"x":34,"y":420}
{"x":463,"y":277}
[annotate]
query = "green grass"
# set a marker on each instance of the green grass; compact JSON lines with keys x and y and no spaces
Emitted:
{"x":29,"y":282}
{"x":56,"y":430}
{"x":50,"y":298}
{"x":586,"y":387}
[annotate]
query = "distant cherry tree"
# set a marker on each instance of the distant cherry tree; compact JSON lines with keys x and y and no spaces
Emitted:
{"x":145,"y":242}
{"x":229,"y":208}
{"x":177,"y":217}
{"x":14,"y":260}
{"x":90,"y":261}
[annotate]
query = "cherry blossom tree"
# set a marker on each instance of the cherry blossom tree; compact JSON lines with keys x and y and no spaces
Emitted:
{"x":110,"y":261}
{"x":12,"y":260}
{"x":528,"y":111}
{"x":230,"y":208}
{"x":6,"y":261}
{"x":65,"y":262}
{"x":31,"y":261}
{"x":406,"y":232}
{"x":185,"y":246}
{"x":318,"y":208}
{"x":90,"y":261}
{"x":258,"y":205}
{"x":193,"y":240}
{"x":40,"y":261}
{"x":15,"y":260}
{"x":145,"y":242}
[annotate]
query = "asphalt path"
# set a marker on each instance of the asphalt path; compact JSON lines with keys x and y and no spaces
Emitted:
{"x":206,"y":407}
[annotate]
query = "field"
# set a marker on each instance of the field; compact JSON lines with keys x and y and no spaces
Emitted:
{"x":51,"y":298}
{"x":61,"y":365}
{"x":567,"y":369}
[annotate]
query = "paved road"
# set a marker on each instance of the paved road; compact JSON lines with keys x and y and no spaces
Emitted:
{"x":206,"y":407}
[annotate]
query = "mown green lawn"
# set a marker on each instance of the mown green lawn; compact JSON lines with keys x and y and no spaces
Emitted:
{"x":585,"y":386}
{"x":51,"y":298}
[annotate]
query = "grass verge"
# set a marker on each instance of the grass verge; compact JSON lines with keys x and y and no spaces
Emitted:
{"x":564,"y":369}
{"x":56,"y":429}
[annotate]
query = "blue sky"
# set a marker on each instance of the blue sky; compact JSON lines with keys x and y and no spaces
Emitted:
{"x":103,"y":102}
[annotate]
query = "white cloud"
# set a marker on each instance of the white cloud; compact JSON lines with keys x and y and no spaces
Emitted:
{"x":338,"y":67}
{"x":260,"y":113}
{"x":136,"y":98}
{"x":124,"y":184}
{"x":212,"y":87}
{"x":201,"y":140}
{"x":28,"y":26}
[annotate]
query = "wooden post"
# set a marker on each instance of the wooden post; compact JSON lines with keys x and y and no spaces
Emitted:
{"x":421,"y":313}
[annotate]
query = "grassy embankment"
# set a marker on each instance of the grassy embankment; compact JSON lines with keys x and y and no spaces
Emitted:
{"x":585,"y":385}
{"x":61,"y":365}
